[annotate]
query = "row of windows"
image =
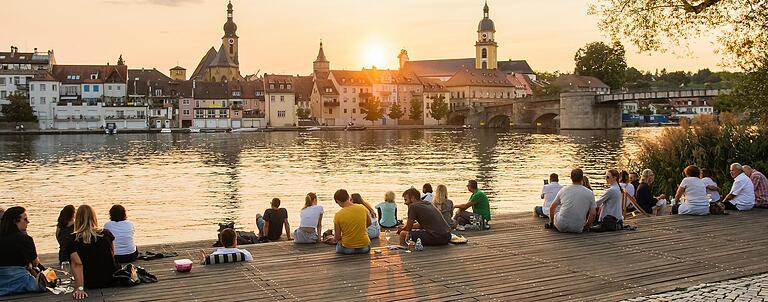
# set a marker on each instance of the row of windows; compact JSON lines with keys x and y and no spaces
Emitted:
{"x":14,"y":80}
{"x":43,"y":87}
{"x":282,"y":86}
{"x":42,"y":100}
{"x":482,"y":94}
{"x":272,"y":98}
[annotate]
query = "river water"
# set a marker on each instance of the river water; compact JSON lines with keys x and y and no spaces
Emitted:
{"x":177,"y":187}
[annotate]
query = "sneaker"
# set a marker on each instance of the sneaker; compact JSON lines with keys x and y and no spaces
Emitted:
{"x":460,"y":228}
{"x":487,"y":226}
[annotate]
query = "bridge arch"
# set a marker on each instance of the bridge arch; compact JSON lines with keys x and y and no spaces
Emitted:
{"x":499,"y":121}
{"x":547,"y":120}
{"x":457,"y":119}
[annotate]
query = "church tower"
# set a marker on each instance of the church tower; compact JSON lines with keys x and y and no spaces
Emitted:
{"x":486,"y":47}
{"x":321,"y":66}
{"x":229,"y":40}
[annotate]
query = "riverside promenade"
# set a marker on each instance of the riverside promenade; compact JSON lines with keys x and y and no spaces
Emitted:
{"x":518,"y":260}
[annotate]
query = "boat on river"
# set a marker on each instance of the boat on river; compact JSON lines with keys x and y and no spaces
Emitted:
{"x":238,"y":130}
{"x":354,"y":128}
{"x":165,"y":130}
{"x":194,"y":130}
{"x":313,"y":128}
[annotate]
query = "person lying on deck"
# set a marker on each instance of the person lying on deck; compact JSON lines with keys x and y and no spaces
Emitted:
{"x":229,"y":241}
{"x":424,"y":223}
{"x":576,"y":203}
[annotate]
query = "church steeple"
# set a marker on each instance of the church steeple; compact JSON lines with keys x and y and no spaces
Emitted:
{"x":230,"y":40}
{"x":321,"y":67}
{"x":486,"y":47}
{"x":230,"y":28}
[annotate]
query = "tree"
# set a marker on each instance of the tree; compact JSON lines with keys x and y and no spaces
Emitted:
{"x":546,"y":76}
{"x":749,"y":94}
{"x":303,"y":113}
{"x":18,"y":110}
{"x":661,"y":25}
{"x":120,"y":60}
{"x":371,"y":107}
{"x":546,"y":89}
{"x":632,"y":75}
{"x":644,"y":111}
{"x":439,"y":108}
{"x":607,"y":63}
{"x":677,"y":78}
{"x":396,"y":112}
{"x":417,"y":112}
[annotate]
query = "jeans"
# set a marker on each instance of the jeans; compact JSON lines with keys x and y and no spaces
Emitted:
{"x":540,"y":211}
{"x":260,"y":225}
{"x":349,"y":251}
{"x":128,"y":258}
{"x":16,"y":279}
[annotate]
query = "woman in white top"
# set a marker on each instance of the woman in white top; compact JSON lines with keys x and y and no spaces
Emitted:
{"x":626,"y":186}
{"x":610,"y":202}
{"x":695,"y":192}
{"x":374,"y":230}
{"x":122,"y":229}
{"x":712,"y":189}
{"x":311,"y":225}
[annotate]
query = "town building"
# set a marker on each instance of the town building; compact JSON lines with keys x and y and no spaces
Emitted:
{"x":222,"y":65}
{"x":43,"y":98}
{"x":280,"y":100}
{"x":211,"y":109}
{"x":691,"y":107}
{"x":579,"y":83}
{"x":352,"y":87}
{"x":434,"y":90}
{"x":18,"y":68}
{"x":161,"y":93}
{"x":325,"y":102}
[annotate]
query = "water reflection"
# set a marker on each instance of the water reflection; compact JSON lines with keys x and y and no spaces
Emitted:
{"x":190,"y":182}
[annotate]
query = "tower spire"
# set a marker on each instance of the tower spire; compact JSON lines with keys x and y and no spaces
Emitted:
{"x":485,"y":9}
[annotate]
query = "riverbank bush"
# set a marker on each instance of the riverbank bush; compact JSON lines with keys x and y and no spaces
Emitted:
{"x":707,"y":143}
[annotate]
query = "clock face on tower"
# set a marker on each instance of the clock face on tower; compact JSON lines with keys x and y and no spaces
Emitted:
{"x":231,"y":41}
{"x":485,"y":36}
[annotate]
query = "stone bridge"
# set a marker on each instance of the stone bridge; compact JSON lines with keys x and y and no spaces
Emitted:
{"x":569,"y":110}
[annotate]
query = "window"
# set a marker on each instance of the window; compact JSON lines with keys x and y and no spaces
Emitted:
{"x":95,"y":88}
{"x":236,"y":93}
{"x":198,"y":113}
{"x":119,"y":87}
{"x":42,"y":100}
{"x":484,"y":54}
{"x":2,"y":94}
{"x":211,"y":113}
{"x":53,"y":100}
{"x":345,"y":110}
{"x":94,"y":76}
{"x":86,"y":88}
{"x":354,"y":110}
{"x":32,"y":87}
{"x":223,"y":103}
{"x":272,"y":98}
{"x":330,"y":110}
{"x":282,"y":86}
{"x":354,"y":90}
{"x":109,"y":87}
{"x":289,"y":86}
{"x":185,"y":112}
{"x":42,"y":87}
{"x":281,"y":113}
{"x":345,"y":89}
{"x":185,"y":102}
{"x":271,"y":86}
{"x":282,"y":98}
{"x":2,"y":81}
{"x":32,"y":101}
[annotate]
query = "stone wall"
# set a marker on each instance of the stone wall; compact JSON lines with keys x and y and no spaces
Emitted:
{"x":579,"y":110}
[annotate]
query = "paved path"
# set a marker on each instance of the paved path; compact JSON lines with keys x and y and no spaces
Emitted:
{"x":749,"y":289}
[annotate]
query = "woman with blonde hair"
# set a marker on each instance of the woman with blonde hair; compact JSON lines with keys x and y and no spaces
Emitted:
{"x":387,"y":210}
{"x":374,"y":229}
{"x":443,"y":204}
{"x":91,"y":251}
{"x":311,"y":224}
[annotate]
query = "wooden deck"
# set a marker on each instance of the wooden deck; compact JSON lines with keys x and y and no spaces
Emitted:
{"x":517,"y":261}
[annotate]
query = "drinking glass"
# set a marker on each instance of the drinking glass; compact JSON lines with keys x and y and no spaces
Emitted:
{"x":65,"y":267}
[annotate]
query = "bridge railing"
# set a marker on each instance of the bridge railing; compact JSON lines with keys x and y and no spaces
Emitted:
{"x":646,"y":95}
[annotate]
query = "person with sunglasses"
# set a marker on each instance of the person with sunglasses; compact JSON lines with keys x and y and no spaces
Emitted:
{"x":18,"y":255}
{"x":610,"y":203}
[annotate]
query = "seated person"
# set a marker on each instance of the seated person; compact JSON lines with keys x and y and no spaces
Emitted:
{"x":742,"y":195}
{"x":548,"y":193}
{"x":387,"y":211}
{"x":427,"y":192}
{"x":311,"y":223}
{"x":424,"y":222}
{"x":229,"y":241}
{"x":444,"y":205}
{"x":644,"y":194}
{"x":91,"y":253}
{"x":65,"y":226}
{"x":694,"y":189}
{"x":610,"y":201}
{"x":576,"y":203}
{"x":373,"y":230}
{"x":350,"y":225}
{"x":760,"y":182}
{"x":18,"y":254}
{"x":122,"y":229}
{"x":478,"y":201}
{"x":274,"y":219}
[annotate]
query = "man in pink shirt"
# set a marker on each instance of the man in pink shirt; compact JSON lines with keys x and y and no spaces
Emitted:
{"x":761,"y":186}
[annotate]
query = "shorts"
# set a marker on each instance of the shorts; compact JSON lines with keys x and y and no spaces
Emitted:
{"x":429,"y":239}
{"x":300,"y":236}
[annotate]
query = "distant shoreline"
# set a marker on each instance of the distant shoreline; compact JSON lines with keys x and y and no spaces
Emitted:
{"x":186,"y":130}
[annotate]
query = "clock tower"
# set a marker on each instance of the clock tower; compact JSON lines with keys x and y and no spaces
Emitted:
{"x":229,"y":40}
{"x":486,"y":47}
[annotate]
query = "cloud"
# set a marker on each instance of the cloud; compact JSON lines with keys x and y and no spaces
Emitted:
{"x":169,"y":3}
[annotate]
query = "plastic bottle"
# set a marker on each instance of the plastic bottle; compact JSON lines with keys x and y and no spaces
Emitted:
{"x":419,"y":247}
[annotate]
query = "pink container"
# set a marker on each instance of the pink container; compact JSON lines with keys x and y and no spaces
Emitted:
{"x":183,"y":265}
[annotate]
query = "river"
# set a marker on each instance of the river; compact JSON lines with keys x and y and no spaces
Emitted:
{"x":177,"y":187}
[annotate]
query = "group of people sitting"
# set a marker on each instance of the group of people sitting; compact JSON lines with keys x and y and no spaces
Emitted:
{"x":93,"y":253}
{"x":430,"y":218}
{"x":574,"y":208}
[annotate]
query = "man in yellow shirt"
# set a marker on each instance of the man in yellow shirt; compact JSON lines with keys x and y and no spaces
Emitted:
{"x":350,"y":225}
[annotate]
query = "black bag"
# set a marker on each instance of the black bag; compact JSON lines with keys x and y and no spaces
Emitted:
{"x":608,"y":224}
{"x":131,"y":275}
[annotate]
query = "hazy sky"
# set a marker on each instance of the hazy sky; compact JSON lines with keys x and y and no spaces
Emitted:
{"x":282,"y":36}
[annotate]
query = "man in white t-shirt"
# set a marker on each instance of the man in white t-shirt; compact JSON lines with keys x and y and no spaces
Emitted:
{"x":548,"y":193}
{"x":742,"y":195}
{"x":229,"y":240}
{"x":577,"y":206}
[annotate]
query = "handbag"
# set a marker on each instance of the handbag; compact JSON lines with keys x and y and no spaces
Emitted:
{"x":132,"y":275}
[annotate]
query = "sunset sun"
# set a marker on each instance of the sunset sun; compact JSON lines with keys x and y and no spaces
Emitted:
{"x":376,"y":53}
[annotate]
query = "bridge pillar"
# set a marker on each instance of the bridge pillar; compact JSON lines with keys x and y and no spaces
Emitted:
{"x":580,"y":110}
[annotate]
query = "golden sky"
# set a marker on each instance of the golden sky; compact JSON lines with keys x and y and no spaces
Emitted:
{"x":282,"y":36}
